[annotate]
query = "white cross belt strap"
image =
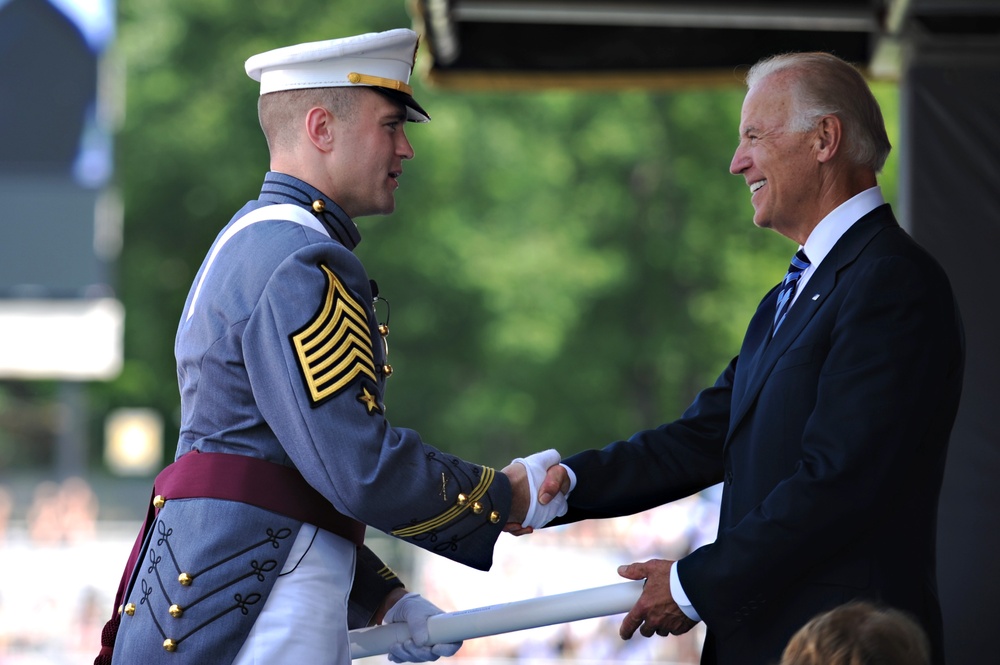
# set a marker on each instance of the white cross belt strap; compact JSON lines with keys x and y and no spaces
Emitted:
{"x":287,"y":212}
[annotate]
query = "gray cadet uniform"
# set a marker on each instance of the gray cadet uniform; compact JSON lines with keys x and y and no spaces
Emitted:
{"x":280,"y":358}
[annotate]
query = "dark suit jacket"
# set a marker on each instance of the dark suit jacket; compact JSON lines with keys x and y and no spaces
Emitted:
{"x":830,"y":442}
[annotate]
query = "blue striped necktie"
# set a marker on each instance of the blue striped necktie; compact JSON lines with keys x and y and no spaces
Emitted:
{"x":799,"y":263}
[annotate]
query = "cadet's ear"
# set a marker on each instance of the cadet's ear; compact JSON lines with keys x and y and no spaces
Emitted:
{"x":319,"y":128}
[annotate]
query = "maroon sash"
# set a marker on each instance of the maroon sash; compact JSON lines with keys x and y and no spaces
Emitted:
{"x":197,"y":475}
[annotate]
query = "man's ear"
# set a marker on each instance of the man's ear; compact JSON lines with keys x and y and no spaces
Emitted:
{"x":319,"y":128}
{"x":829,"y":134}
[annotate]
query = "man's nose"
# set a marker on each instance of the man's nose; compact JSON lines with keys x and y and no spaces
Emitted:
{"x":740,"y":161}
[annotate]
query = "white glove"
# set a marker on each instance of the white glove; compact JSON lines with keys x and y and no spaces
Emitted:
{"x":415,"y":610}
{"x":539,"y":515}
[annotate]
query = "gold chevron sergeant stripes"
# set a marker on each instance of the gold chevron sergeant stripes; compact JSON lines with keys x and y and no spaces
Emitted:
{"x":452,"y":513}
{"x":335,"y":347}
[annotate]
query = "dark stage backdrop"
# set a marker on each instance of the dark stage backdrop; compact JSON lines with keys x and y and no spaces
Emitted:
{"x":950,"y":189}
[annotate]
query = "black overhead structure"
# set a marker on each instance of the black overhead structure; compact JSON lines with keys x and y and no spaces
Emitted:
{"x":651,"y":43}
{"x":945,"y":55}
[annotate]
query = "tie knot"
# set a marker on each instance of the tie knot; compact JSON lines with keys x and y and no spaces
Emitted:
{"x":799,"y":262}
{"x":785,"y":295}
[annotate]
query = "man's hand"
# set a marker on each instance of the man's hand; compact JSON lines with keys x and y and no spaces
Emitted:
{"x":556,"y":482}
{"x":655,"y":612}
{"x":413,"y":609}
{"x":539,"y":485}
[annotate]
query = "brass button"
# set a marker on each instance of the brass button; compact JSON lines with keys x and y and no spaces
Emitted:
{"x":387,"y":369}
{"x":176,"y":611}
{"x":185,"y":579}
{"x":383,"y":330}
{"x":319,"y":205}
{"x":170,"y":645}
{"x":494,"y":517}
{"x":477,"y":507}
{"x":159,"y":501}
{"x":462,"y":499}
{"x":130,"y":609}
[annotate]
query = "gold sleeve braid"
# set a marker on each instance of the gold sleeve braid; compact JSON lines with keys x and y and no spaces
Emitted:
{"x":453,"y":512}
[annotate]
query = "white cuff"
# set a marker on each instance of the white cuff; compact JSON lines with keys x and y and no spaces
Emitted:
{"x":572,"y":478}
{"x":677,"y":591}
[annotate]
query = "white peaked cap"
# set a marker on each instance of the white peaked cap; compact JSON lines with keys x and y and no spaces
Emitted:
{"x":381,"y":60}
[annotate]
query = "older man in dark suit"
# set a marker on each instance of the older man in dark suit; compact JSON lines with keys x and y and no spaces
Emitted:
{"x":829,"y":430}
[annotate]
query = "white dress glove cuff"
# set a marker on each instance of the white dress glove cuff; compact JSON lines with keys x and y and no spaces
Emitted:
{"x":390,"y":614}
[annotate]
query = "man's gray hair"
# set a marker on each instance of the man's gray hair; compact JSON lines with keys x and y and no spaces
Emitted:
{"x":823,"y":84}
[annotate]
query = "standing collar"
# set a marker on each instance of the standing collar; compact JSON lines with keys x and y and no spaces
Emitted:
{"x":283,"y":188}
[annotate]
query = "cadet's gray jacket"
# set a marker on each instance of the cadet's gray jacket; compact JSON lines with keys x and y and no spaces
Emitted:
{"x":280,"y":357}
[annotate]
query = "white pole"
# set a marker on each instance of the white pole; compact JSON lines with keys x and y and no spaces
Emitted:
{"x":504,"y":618}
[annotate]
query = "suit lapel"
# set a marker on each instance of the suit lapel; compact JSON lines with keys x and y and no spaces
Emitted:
{"x":816,"y":291}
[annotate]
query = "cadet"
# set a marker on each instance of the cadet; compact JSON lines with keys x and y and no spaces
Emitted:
{"x":253,"y":546}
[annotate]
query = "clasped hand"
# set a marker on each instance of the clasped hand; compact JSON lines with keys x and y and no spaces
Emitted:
{"x":546,"y":484}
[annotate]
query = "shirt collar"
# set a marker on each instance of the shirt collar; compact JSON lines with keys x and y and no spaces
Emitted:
{"x":833,"y":226}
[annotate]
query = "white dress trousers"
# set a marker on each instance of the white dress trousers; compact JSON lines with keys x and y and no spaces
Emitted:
{"x":304,"y":619}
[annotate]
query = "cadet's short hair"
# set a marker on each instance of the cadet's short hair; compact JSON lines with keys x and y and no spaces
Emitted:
{"x":280,"y":113}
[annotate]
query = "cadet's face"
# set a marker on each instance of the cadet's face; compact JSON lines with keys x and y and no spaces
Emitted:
{"x":370,"y":151}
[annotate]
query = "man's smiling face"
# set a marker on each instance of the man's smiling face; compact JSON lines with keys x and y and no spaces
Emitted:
{"x":775,"y":159}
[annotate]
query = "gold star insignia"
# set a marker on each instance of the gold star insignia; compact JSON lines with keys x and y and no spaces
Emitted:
{"x":369,"y":400}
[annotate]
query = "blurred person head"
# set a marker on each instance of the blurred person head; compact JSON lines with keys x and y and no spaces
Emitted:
{"x":859,"y":633}
{"x":811,"y":137}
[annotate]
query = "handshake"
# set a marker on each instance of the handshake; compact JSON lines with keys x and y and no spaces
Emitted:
{"x":540,"y":486}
